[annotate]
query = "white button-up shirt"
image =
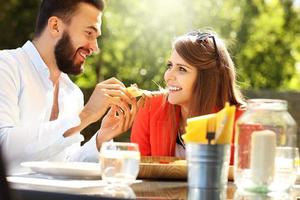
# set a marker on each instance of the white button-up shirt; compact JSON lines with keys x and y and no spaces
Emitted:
{"x":26,"y":100}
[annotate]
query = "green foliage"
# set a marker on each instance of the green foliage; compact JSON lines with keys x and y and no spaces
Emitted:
{"x":137,"y":38}
{"x":267,"y":39}
{"x":135,"y":45}
{"x":263,"y":37}
{"x":17,"y":22}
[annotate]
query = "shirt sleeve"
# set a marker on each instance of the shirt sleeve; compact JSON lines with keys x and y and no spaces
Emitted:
{"x":87,"y":153}
{"x":140,"y":132}
{"x":24,"y":141}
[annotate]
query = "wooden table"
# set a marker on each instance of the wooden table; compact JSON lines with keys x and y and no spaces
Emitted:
{"x":147,"y":189}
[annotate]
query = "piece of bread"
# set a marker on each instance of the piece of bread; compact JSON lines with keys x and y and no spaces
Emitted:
{"x":134,"y":91}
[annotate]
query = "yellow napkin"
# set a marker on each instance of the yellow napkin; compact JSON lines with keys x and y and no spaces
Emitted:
{"x":196,"y":128}
{"x":225,"y":122}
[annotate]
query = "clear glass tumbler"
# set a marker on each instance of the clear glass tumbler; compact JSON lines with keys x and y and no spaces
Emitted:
{"x":119,"y":162}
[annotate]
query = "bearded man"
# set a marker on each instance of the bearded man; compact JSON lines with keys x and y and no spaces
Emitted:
{"x":41,"y":110}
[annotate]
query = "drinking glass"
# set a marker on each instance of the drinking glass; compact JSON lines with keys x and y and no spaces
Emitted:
{"x":244,"y":195}
{"x":285,"y":168}
{"x":297,"y":160}
{"x":119,"y":162}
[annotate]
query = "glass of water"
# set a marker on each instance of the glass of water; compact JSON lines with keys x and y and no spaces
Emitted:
{"x":297,"y":160}
{"x":119,"y":162}
{"x":285,"y":168}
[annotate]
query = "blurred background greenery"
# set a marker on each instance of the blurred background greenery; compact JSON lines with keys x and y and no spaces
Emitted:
{"x":263,"y":37}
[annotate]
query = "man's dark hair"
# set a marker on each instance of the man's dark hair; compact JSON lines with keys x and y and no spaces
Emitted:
{"x":63,"y":9}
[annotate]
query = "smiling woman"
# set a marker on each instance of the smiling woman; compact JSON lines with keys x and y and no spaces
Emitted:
{"x":200,"y":77}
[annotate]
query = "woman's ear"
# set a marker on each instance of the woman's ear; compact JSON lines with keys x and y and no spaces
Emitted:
{"x":55,"y":26}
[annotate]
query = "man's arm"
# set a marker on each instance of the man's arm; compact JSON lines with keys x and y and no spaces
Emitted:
{"x":24,"y":141}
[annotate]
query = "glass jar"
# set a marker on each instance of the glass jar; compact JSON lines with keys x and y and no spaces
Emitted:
{"x":266,"y":139}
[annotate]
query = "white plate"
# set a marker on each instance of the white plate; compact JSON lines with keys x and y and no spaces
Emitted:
{"x":56,"y":185}
{"x":66,"y":169}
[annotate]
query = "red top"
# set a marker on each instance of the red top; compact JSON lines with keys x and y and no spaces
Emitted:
{"x":152,"y":128}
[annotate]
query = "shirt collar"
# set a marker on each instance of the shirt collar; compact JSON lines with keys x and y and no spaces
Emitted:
{"x":35,"y":57}
{"x":39,"y":63}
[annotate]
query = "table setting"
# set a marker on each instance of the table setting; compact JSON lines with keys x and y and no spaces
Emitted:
{"x":271,"y":166}
{"x":166,"y":188}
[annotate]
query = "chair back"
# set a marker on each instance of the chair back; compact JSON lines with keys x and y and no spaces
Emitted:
{"x":4,"y":191}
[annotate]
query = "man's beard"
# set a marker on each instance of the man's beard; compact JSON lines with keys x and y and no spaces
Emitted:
{"x":65,"y":54}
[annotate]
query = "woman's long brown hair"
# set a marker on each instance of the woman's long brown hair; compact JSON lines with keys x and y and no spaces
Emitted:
{"x":216,"y":77}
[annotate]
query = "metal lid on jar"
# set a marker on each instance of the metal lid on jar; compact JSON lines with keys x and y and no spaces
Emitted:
{"x":267,"y":104}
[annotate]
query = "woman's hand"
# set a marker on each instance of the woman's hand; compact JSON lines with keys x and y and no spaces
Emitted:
{"x":118,"y":120}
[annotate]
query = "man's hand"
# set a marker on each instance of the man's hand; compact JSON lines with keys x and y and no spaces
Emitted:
{"x":106,"y":94}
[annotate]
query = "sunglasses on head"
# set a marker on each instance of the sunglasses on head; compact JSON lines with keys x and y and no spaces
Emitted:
{"x":202,"y":36}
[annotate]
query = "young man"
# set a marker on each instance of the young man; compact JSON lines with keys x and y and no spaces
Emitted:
{"x":41,"y":110}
